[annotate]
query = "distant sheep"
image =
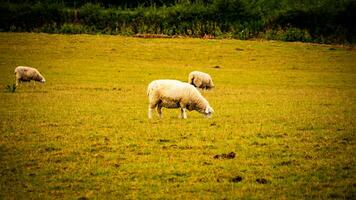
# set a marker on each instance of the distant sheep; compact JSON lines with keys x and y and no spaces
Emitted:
{"x":26,"y":74}
{"x":200,"y":80}
{"x":176,"y":94}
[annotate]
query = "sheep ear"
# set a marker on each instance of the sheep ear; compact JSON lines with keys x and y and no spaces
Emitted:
{"x":206,"y":110}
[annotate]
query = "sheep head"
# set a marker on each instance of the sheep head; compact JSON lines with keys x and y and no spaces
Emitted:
{"x":43,"y":80}
{"x":208,"y":111}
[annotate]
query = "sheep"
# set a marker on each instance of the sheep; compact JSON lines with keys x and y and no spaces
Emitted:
{"x":26,"y":74}
{"x":176,"y":94}
{"x":200,"y":80}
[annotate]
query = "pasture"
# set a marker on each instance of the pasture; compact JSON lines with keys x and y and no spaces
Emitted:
{"x":285,"y":110}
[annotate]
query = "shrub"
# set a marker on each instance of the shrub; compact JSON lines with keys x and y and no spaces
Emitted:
{"x":290,"y":35}
{"x":324,"y":21}
{"x":295,"y":34}
{"x":49,"y":28}
{"x":72,"y":29}
{"x":91,"y":15}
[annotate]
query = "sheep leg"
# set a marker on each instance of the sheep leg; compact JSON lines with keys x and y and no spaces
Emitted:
{"x":159,"y":111}
{"x":183,"y":113}
{"x":150,"y":111}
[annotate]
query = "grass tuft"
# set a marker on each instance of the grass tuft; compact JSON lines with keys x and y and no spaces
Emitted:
{"x":11,"y":88}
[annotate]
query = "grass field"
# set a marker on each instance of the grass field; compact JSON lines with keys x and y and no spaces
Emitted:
{"x":287,"y":110}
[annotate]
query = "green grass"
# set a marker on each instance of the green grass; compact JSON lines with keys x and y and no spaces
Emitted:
{"x":286,"y":109}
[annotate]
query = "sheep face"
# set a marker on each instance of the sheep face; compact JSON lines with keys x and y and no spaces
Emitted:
{"x":43,"y":80}
{"x":39,"y":78}
{"x":208,"y":112}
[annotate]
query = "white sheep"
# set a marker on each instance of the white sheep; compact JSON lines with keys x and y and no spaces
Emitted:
{"x":200,"y":80}
{"x":26,"y":74}
{"x":176,"y":94}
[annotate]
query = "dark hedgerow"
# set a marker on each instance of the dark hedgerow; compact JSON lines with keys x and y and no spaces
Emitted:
{"x":322,"y":21}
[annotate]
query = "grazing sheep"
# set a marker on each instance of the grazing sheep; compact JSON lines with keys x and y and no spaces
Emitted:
{"x":200,"y":80}
{"x":26,"y":74}
{"x":176,"y":94}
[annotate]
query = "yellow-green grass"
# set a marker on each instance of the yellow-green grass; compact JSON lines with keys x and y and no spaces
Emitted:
{"x":286,"y":109}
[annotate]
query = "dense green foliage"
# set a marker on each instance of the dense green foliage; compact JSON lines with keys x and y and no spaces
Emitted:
{"x":301,"y":20}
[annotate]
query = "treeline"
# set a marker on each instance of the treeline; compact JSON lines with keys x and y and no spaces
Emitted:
{"x":323,"y":21}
